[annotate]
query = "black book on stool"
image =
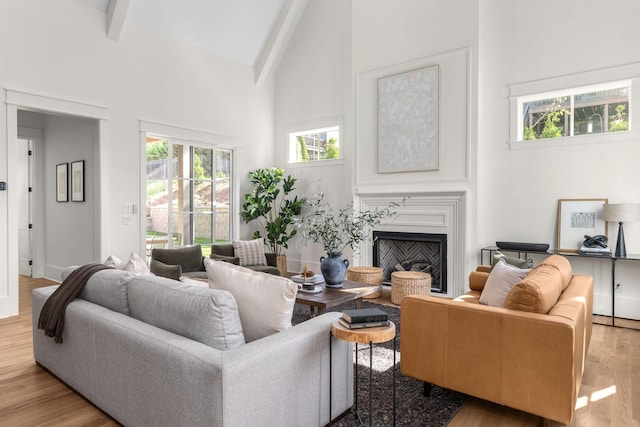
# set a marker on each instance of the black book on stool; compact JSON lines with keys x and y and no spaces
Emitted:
{"x":365,"y":315}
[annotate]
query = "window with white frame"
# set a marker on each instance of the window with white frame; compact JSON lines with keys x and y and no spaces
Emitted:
{"x":586,"y":110}
{"x":314,"y":144}
{"x":188,"y":193}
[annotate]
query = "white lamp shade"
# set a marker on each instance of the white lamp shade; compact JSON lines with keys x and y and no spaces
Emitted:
{"x":623,"y":212}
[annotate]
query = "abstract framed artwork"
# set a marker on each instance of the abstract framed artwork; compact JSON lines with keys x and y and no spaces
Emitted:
{"x":577,"y":218}
{"x":62,"y":182}
{"x":408,"y":120}
{"x":77,"y":181}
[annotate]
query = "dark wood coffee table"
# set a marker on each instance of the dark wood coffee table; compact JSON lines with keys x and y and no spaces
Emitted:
{"x":331,"y":297}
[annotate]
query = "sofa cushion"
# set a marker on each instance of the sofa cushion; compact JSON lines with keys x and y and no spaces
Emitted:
{"x":223,"y":249}
{"x":265,"y":301}
{"x":107,"y":288}
{"x":250,"y":252}
{"x":502,"y":278}
{"x":538,"y":292}
{"x":187,"y":257}
{"x":209,"y":316}
{"x":564,"y":267}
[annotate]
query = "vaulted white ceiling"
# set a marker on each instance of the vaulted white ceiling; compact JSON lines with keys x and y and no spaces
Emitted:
{"x":252,"y":32}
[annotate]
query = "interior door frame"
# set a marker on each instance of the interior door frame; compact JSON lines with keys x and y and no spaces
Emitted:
{"x":16,"y":100}
{"x":37,"y":198}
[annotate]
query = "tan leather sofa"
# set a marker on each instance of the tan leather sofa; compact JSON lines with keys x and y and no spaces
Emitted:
{"x":528,"y":355}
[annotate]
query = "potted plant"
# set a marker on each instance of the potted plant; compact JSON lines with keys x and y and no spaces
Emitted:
{"x":271,"y":204}
{"x":336,"y":231}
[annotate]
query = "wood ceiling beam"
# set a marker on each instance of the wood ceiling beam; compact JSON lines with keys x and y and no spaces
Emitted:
{"x":281,"y":33}
{"x":116,"y":16}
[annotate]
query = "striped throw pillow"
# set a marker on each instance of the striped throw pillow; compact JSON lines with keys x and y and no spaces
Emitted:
{"x":250,"y":252}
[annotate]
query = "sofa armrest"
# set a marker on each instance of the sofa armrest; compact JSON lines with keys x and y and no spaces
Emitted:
{"x":297,"y":360}
{"x":484,"y":268}
{"x":523,"y":360}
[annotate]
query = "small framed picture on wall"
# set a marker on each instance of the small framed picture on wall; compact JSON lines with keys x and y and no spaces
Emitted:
{"x":77,"y":181}
{"x":62,"y":182}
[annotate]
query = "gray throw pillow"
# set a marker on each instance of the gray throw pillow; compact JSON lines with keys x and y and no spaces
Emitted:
{"x":163,"y":270}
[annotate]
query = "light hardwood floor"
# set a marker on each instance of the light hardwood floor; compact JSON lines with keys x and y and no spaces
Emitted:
{"x":29,"y":396}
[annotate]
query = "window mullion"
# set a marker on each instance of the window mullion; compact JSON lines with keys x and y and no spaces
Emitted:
{"x":170,"y":178}
{"x":571,"y":114}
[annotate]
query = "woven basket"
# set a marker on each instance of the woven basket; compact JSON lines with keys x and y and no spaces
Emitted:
{"x":405,"y":283}
{"x":369,"y":275}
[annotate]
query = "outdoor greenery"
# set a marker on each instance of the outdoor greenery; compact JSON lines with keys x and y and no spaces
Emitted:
{"x":302,"y":148}
{"x":158,"y":150}
{"x":551,"y":128}
{"x":336,"y":231}
{"x":617,"y":123}
{"x":270,"y":204}
{"x":529,"y":133}
{"x":331,"y":149}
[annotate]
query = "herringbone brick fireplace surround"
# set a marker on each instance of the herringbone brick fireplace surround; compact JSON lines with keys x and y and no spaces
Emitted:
{"x":400,"y":251}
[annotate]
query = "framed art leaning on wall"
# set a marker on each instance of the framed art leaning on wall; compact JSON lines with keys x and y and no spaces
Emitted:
{"x":577,"y":218}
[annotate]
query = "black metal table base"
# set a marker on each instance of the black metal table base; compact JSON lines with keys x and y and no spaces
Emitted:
{"x":393,"y":385}
{"x":355,"y":407}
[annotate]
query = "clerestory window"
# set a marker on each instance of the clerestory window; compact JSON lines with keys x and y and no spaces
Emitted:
{"x":578,"y":111}
{"x":314,"y":144}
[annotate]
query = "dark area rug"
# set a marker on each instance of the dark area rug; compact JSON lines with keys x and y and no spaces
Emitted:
{"x":412,"y":408}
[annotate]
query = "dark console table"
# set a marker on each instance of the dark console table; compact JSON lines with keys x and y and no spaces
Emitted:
{"x":630,"y":257}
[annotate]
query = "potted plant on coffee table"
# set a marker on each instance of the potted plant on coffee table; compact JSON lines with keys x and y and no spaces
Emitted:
{"x":272,"y":205}
{"x":336,"y":231}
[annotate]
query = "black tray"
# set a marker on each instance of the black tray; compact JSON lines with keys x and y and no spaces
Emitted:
{"x":524,"y":247}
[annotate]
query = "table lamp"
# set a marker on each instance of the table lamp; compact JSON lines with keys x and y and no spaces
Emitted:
{"x":623,"y":212}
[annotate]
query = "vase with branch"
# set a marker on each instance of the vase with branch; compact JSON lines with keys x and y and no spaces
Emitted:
{"x":338,"y":230}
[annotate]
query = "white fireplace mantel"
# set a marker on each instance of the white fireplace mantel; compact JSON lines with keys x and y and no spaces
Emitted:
{"x":424,"y":212}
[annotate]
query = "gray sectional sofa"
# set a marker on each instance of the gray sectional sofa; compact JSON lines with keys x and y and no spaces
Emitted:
{"x":151,"y":351}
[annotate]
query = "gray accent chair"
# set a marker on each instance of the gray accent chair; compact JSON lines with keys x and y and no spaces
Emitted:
{"x":174,"y":263}
{"x":225,"y":252}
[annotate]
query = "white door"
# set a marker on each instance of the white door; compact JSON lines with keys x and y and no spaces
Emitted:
{"x":23,"y":188}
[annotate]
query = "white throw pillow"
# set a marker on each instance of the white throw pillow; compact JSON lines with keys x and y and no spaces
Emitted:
{"x":250,"y":252}
{"x":115,"y":262}
{"x":137,"y":265}
{"x":503,"y":277}
{"x":265,"y":302}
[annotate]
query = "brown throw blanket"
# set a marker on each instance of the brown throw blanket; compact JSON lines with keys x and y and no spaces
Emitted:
{"x":52,"y":314}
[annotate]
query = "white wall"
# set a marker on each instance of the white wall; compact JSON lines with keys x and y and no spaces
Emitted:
{"x":313,"y":85}
{"x":69,"y":227}
{"x":378,"y":35}
{"x":60,"y":50}
{"x":511,"y":194}
{"x":518,"y":190}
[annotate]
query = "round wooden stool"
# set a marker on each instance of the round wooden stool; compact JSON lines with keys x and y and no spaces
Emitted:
{"x":369,"y":275}
{"x":405,"y":283}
